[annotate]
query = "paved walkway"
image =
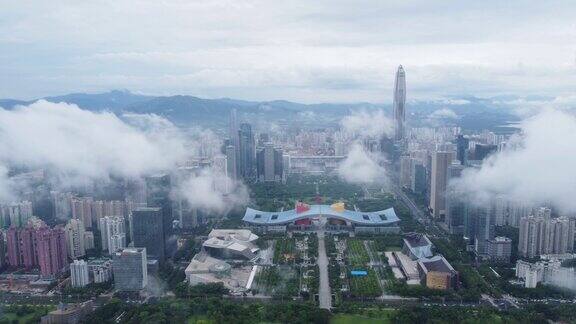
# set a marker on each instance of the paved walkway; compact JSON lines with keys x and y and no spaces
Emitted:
{"x":324,"y":294}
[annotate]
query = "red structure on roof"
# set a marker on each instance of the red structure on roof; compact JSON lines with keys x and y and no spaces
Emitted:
{"x":301,"y":207}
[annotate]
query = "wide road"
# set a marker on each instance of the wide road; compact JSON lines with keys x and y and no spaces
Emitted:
{"x":324,"y":294}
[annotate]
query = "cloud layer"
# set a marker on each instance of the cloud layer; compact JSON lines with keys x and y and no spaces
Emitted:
{"x":300,"y":50}
{"x":366,"y":124}
{"x":201,"y":192}
{"x":537,"y":167}
{"x":361,"y":167}
{"x":67,"y":139}
{"x":78,"y":146}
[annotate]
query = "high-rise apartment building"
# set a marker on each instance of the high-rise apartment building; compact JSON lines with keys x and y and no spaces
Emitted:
{"x":541,"y":234}
{"x":113,"y":233}
{"x":129,"y":267}
{"x":15,"y":214}
{"x":75,"y":235}
{"x":51,"y":250}
{"x":82,"y":210}
{"x":399,"y":104}
{"x":79,"y":273}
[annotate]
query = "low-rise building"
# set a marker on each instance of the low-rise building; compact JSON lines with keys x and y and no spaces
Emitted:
{"x":417,"y":245}
{"x":499,"y":249}
{"x":68,"y":313}
{"x":231,"y":244}
{"x":437,"y":273}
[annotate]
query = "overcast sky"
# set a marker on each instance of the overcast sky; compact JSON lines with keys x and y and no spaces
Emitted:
{"x":308,"y":51}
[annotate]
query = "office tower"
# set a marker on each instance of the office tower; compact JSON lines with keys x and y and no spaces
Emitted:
{"x":82,"y":210}
{"x":269,"y":164}
{"x":455,"y":207}
{"x":482,"y":151}
{"x":113,"y":233}
{"x":247,"y":152}
{"x":234,"y":141}
{"x":129,"y":267}
{"x":147,"y":229}
{"x":51,"y":250}
{"x":438,"y":185}
{"x":399,"y":104}
{"x":75,"y":238}
{"x":79,"y":273}
{"x":16,"y":214}
{"x":231,"y":162}
{"x":462,"y":149}
{"x":501,"y":211}
{"x":418,"y":179}
{"x":484,"y":228}
{"x":405,"y":171}
{"x":158,"y":195}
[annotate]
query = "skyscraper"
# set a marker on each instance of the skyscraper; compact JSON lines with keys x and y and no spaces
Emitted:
{"x":75,"y":238}
{"x":455,"y":207}
{"x":130,"y":272}
{"x":438,"y":184}
{"x":79,"y":273}
{"x":399,"y":104}
{"x":462,"y":148}
{"x":51,"y":250}
{"x":541,"y":234}
{"x":247,"y":151}
{"x":113,"y":233}
{"x":147,"y":228}
{"x":158,"y":195}
{"x":269,"y":163}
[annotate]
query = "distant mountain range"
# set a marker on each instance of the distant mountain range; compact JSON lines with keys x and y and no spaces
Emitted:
{"x":468,"y":112}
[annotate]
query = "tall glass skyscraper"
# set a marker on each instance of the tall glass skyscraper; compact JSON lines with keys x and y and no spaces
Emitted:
{"x":399,"y":104}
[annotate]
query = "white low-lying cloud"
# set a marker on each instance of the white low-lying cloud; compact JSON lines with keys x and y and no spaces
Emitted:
{"x":537,"y":167}
{"x":79,"y":147}
{"x":67,"y":139}
{"x":444,"y":113}
{"x":5,"y":185}
{"x":366,"y":123}
{"x":361,"y":167}
{"x":202,"y":192}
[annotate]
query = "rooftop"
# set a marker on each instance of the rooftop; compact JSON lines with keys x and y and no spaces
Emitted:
{"x":382,"y":217}
{"x":436,"y":263}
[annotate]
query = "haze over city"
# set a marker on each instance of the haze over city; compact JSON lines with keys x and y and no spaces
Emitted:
{"x":287,"y":162}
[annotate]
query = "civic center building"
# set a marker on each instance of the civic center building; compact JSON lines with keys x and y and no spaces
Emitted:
{"x":333,"y":218}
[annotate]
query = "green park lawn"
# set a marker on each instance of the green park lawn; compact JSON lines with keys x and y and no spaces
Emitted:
{"x":357,"y":319}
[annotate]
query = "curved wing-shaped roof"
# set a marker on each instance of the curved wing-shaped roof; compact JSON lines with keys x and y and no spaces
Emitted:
{"x":382,"y":217}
